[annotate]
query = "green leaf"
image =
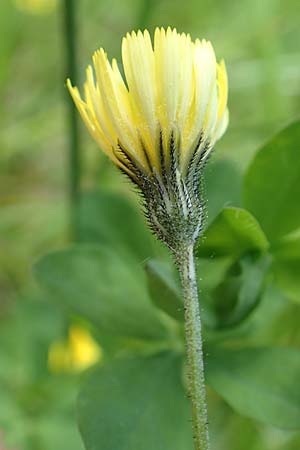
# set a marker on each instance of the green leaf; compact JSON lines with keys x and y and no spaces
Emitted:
{"x":262,"y":383}
{"x":227,"y":435}
{"x":234,"y":232}
{"x":239,"y":293}
{"x":108,"y":289}
{"x":136,"y":404}
{"x":108,"y":218}
{"x":286,"y":267}
{"x":273,"y":321}
{"x":210,"y":272}
{"x":288,"y":248}
{"x":272,"y":184}
{"x":287,"y":278}
{"x":222,"y":187}
{"x":164,"y":288}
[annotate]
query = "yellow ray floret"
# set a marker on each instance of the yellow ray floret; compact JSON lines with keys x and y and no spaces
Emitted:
{"x":173,"y":87}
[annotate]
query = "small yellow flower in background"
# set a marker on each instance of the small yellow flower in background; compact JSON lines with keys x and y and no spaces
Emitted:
{"x":159,"y":123}
{"x":78,"y":353}
{"x":36,"y":6}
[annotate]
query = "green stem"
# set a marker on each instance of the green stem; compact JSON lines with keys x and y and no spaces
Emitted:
{"x":71,"y":72}
{"x":146,"y":9}
{"x":194,"y":349}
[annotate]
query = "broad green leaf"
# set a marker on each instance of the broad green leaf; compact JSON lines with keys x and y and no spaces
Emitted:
{"x":233,"y":232}
{"x":240,"y":292}
{"x":272,"y":184}
{"x":235,"y":432}
{"x":222,"y":187}
{"x":164,"y":288}
{"x":108,"y":218}
{"x":107,"y":288}
{"x":210,"y":273}
{"x":136,"y":404}
{"x":287,"y":278}
{"x":262,"y":383}
{"x":274,"y":321}
{"x":287,"y":248}
{"x":225,"y":428}
{"x":286,"y":267}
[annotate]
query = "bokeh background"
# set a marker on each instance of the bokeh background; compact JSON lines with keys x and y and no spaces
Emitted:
{"x":41,"y":349}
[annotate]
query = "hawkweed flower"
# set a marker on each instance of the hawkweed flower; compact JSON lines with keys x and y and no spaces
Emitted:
{"x":75,"y":354}
{"x":159,"y":122}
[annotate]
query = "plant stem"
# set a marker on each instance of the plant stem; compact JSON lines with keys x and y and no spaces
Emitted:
{"x":193,"y":335}
{"x":144,"y":14}
{"x":71,"y":72}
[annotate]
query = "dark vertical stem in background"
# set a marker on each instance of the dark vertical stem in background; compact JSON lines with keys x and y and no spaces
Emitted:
{"x":71,"y":72}
{"x":144,"y":13}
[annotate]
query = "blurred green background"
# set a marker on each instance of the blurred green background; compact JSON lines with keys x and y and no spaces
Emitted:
{"x":259,"y":40}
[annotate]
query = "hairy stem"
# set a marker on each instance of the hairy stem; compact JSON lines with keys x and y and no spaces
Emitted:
{"x":196,"y":384}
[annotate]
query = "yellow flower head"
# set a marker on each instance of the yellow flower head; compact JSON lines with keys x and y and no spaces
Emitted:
{"x":174,"y":85}
{"x":77,"y":353}
{"x":160,"y":121}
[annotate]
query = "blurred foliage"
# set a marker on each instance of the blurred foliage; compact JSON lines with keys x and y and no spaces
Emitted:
{"x":36,"y":6}
{"x":252,"y":355}
{"x":248,"y":263}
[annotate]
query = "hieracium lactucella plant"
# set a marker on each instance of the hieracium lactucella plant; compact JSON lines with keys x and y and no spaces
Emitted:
{"x":159,"y":124}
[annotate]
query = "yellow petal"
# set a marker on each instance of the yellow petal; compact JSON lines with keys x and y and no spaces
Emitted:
{"x":222,"y":88}
{"x":138,"y":62}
